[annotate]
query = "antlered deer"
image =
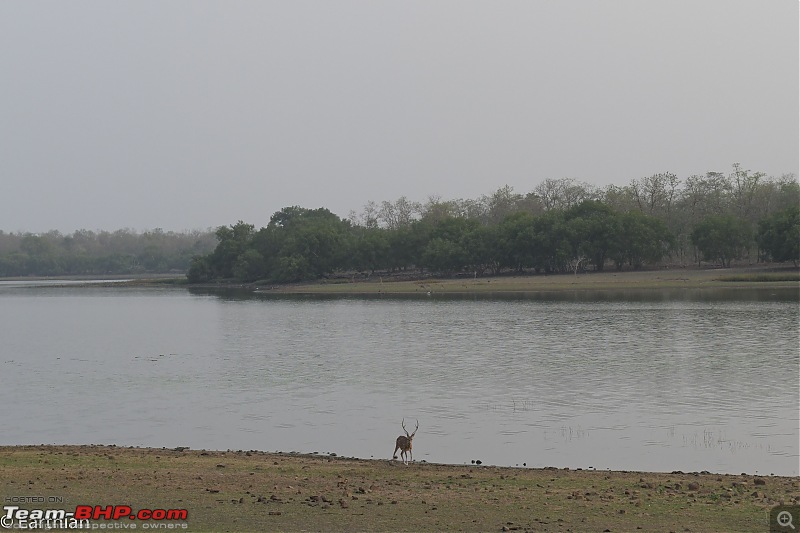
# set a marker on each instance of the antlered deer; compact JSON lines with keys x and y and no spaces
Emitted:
{"x":403,"y":443}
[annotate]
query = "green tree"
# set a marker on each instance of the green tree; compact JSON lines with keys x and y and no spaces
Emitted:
{"x":480,"y":249}
{"x":370,"y":249}
{"x":442,"y":255}
{"x":722,"y":238}
{"x":233,"y":240}
{"x":403,"y":247}
{"x":518,"y":242}
{"x":593,"y":227}
{"x":445,"y":250}
{"x":641,"y":239}
{"x":300,"y":244}
{"x":249,"y":266}
{"x":779,"y":236}
{"x":199,"y":270}
{"x":291,"y":268}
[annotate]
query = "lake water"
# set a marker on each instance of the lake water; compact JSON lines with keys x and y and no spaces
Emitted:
{"x":661,"y":381}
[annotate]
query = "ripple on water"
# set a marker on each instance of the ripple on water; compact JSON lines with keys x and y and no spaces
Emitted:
{"x":671,"y":384}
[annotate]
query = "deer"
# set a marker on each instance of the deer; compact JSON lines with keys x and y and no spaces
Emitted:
{"x":403,"y":443}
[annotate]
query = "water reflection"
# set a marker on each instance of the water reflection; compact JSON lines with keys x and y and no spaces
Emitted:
{"x":718,"y":294}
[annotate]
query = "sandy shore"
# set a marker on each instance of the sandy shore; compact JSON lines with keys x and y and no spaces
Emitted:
{"x":686,"y":278}
{"x":257,"y":491}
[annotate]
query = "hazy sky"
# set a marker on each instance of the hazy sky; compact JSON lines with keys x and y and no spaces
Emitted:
{"x":191,"y":114}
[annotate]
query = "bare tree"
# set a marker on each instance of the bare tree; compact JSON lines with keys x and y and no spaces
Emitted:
{"x":563,"y":193}
{"x":368,"y":218}
{"x":502,"y":203}
{"x":656,"y":194}
{"x":744,"y":185}
{"x":399,"y":214}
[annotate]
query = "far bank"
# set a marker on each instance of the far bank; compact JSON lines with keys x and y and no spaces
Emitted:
{"x":689,"y":278}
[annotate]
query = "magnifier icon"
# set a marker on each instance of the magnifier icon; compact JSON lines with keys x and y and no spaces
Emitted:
{"x":784,"y":519}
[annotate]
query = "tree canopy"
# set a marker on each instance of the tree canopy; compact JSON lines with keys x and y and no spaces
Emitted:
{"x":87,"y":252}
{"x":561,"y":226}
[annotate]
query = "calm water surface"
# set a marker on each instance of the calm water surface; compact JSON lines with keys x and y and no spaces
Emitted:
{"x":636,"y":381}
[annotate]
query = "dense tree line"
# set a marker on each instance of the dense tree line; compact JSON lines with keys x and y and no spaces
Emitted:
{"x":561,"y":226}
{"x":100,"y":253}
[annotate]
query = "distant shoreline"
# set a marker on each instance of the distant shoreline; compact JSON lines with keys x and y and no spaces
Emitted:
{"x":694,"y":278}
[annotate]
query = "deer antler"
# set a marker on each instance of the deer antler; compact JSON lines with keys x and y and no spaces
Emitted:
{"x":403,"y":423}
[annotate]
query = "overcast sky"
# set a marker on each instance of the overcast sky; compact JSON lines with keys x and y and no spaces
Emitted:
{"x":192,"y":114}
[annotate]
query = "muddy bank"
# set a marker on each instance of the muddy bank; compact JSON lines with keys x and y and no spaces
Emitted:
{"x":258,"y":491}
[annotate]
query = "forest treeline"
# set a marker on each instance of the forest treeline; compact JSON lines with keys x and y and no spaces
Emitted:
{"x":561,"y":226}
{"x":101,"y":253}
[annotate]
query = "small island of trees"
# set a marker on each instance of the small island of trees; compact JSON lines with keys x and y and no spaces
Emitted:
{"x":561,"y":226}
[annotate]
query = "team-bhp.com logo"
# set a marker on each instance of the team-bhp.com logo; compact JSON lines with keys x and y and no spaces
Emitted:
{"x":14,"y":517}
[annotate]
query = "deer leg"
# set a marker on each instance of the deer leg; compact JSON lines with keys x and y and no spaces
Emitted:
{"x":394,"y":454}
